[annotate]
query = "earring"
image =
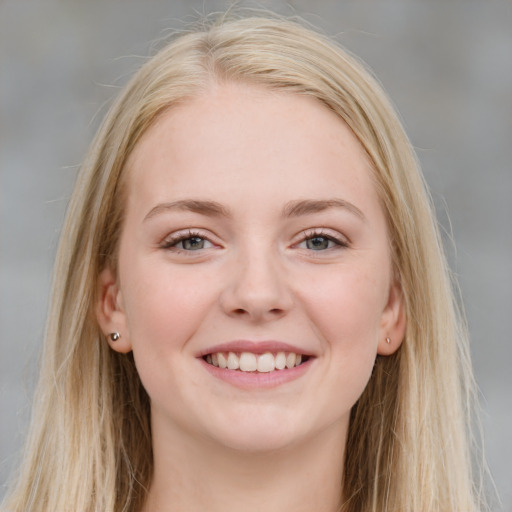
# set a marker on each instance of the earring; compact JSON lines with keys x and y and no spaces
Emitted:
{"x":388,"y":340}
{"x":114,"y":336}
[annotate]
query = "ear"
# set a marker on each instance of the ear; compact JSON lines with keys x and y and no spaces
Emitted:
{"x":393,"y":322}
{"x":110,"y":313}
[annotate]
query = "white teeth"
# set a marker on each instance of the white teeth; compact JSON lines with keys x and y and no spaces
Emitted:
{"x":266,"y":363}
{"x":249,"y":362}
{"x":280,"y":361}
{"x":223,"y":362}
{"x":233,"y":362}
{"x":291,"y":358}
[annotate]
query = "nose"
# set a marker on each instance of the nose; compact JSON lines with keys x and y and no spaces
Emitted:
{"x":257,"y":289}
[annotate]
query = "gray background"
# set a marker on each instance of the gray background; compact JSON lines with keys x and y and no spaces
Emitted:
{"x":447,"y":66}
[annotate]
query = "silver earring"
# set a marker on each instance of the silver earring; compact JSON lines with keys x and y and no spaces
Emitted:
{"x":114,"y":336}
{"x":388,"y":340}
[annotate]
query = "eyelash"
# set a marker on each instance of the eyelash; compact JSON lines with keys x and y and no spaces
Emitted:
{"x":174,"y":239}
{"x":320,"y":233}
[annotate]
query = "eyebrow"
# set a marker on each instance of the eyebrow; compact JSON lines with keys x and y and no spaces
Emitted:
{"x":209,"y":208}
{"x":307,"y":206}
{"x":292,"y":209}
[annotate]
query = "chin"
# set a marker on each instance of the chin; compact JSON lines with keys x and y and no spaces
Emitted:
{"x":259,"y":443}
{"x":260,"y":433}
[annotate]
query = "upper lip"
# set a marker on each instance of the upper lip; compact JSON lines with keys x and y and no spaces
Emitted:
{"x":255,"y":347}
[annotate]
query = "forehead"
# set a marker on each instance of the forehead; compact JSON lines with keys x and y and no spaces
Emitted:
{"x":236,"y":138}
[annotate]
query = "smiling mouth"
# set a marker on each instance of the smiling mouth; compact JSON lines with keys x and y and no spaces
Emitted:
{"x":256,"y":363}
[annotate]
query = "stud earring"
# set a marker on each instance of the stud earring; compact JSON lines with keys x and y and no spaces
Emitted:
{"x":114,"y":336}
{"x":388,"y":340}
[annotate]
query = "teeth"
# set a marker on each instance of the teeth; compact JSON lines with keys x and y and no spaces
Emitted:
{"x":221,"y":358}
{"x":233,"y":361}
{"x":266,"y":363}
{"x":249,"y":362}
{"x":280,"y":361}
{"x":291,"y":358}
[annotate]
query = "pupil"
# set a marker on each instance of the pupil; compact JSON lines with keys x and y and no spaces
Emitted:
{"x":318,"y":242}
{"x":193,"y":243}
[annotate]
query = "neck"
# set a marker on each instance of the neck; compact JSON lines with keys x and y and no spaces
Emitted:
{"x":197,"y":475}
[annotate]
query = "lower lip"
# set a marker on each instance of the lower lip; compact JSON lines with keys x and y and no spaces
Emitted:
{"x":258,"y":380}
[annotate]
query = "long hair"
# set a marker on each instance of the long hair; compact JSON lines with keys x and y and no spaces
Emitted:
{"x":89,"y":447}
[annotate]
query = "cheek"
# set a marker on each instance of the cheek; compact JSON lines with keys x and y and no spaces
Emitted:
{"x":348,"y":304}
{"x":164,"y":307}
{"x":347,"y":311}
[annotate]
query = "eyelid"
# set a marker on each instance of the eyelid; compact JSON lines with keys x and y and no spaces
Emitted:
{"x":172,"y":239}
{"x":175,"y":237}
{"x":330,"y":234}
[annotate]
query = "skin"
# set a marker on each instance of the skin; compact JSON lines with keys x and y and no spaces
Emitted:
{"x":255,"y":275}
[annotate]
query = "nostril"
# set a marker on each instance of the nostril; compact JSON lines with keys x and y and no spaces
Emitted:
{"x":274,"y":312}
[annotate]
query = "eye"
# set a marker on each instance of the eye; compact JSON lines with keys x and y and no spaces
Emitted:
{"x":188,"y":241}
{"x":194,"y":243}
{"x":320,"y":241}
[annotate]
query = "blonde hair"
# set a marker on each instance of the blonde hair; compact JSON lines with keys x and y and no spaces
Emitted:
{"x":89,"y":447}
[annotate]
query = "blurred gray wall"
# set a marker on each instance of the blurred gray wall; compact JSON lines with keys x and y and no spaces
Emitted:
{"x":447,"y":66}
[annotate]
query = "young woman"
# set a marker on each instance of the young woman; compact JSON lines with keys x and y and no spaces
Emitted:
{"x":251,"y":306}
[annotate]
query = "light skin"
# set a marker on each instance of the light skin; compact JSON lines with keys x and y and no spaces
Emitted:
{"x":251,"y":215}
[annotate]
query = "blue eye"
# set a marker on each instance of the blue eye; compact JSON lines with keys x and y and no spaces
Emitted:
{"x":194,"y":243}
{"x":319,"y":243}
{"x":187,"y":242}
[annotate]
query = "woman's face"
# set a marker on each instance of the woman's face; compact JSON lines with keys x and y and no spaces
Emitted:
{"x":253,"y":235}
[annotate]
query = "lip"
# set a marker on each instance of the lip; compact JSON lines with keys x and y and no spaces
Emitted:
{"x":256,"y":380}
{"x":256,"y":347}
